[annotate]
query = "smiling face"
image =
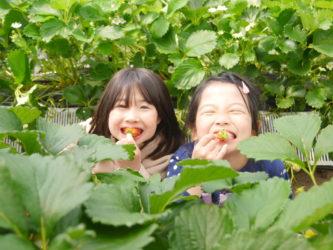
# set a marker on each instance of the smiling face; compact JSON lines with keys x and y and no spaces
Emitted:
{"x":135,"y":116}
{"x":222,"y":107}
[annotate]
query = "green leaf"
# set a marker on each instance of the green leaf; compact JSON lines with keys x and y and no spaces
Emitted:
{"x":258,"y":207}
{"x":91,"y":13}
{"x":299,"y":66}
{"x":117,"y":205}
{"x":273,"y":238}
{"x":63,"y":4}
{"x":200,"y":42}
{"x":307,"y":208}
{"x":199,"y":172}
{"x":323,"y":40}
{"x":324,"y":143}
{"x":229,"y":60}
{"x":51,"y":28}
{"x":316,"y":97}
{"x":188,"y":74}
{"x":103,"y":149}
{"x":299,"y":129}
{"x":110,"y":32}
{"x":58,"y":137}
{"x":26,"y":114}
{"x":160,"y":27}
{"x":59,"y":47}
{"x":168,"y":43}
{"x":285,"y":102}
{"x":175,"y":5}
{"x":199,"y":227}
{"x":10,"y":241}
{"x":44,"y":9}
{"x":9,"y":121}
{"x":268,"y":146}
{"x":295,"y":33}
{"x":31,"y":30}
{"x":30,"y":140}
{"x":242,"y":180}
{"x":134,"y":239}
{"x":48,"y":187}
{"x":19,"y":64}
{"x":11,"y":208}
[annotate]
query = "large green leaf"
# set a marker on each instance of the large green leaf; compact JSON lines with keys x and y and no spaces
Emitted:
{"x":316,"y":97}
{"x":307,"y":208}
{"x":228,"y":60}
{"x":243,"y":180}
{"x":26,"y":114}
{"x":117,"y":205}
{"x":268,"y":146}
{"x":323,"y":40}
{"x":110,"y":32}
{"x":258,"y":207}
{"x":194,"y":173}
{"x":188,"y":74}
{"x":168,"y":43}
{"x":300,"y":129}
{"x":104,"y":149}
{"x":30,"y":140}
{"x":277,"y":239}
{"x":199,"y":227}
{"x":200,"y":42}
{"x":19,"y":64}
{"x":51,"y":28}
{"x":11,"y":208}
{"x":120,"y":239}
{"x":160,"y":27}
{"x":175,"y":5}
{"x":324,"y":142}
{"x":11,"y":241}
{"x":48,"y":187}
{"x":63,"y":4}
{"x":58,"y":137}
{"x":9,"y":121}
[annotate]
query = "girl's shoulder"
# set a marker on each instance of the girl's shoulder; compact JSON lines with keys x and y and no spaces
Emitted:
{"x":184,"y":151}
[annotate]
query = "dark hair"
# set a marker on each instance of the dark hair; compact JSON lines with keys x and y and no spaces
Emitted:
{"x":252,"y":102}
{"x":154,"y":91}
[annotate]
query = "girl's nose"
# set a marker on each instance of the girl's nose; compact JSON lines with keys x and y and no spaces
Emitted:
{"x":131,"y":115}
{"x":222,"y":119}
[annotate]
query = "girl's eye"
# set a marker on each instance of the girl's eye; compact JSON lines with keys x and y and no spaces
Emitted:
{"x":207,"y":112}
{"x":120,"y":105}
{"x":144,"y":107}
{"x":236,"y":111}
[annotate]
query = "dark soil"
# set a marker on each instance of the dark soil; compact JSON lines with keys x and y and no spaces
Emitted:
{"x":302,"y":179}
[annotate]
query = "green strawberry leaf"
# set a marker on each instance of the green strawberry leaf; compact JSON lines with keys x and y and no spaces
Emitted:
{"x":263,"y":204}
{"x":200,"y":42}
{"x":117,"y":205}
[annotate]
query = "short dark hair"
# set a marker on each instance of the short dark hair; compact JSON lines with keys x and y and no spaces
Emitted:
{"x":154,"y":91}
{"x":252,"y":102}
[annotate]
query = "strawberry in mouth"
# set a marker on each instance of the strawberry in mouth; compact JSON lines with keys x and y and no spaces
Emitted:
{"x":135,"y":132}
{"x":222,"y":135}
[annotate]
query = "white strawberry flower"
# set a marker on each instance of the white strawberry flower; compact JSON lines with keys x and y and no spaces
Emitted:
{"x":16,"y":25}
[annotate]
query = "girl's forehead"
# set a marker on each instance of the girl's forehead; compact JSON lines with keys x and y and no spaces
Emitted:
{"x":131,"y":94}
{"x":222,"y":92}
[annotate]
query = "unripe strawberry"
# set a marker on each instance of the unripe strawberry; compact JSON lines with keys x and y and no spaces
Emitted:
{"x":222,"y":135}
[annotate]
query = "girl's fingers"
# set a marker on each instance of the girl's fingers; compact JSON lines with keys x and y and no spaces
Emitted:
{"x":205,"y":140}
{"x":222,"y":151}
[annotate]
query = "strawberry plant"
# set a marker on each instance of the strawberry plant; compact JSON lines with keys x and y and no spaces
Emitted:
{"x":294,"y":133}
{"x":50,"y":200}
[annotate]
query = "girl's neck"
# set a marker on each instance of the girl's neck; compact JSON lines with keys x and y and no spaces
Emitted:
{"x":236,"y":160}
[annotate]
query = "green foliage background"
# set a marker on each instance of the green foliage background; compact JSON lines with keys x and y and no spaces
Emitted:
{"x":64,"y":52}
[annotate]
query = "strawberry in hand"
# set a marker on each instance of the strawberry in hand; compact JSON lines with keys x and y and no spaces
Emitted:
{"x":135,"y":132}
{"x":222,"y":135}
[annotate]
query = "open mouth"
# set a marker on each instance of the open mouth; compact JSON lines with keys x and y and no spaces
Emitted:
{"x":135,"y":132}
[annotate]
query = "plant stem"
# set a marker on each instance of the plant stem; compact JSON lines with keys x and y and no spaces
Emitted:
{"x":43,"y":234}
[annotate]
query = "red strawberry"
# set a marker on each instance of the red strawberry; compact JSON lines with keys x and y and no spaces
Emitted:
{"x":222,"y":135}
{"x":135,"y":132}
